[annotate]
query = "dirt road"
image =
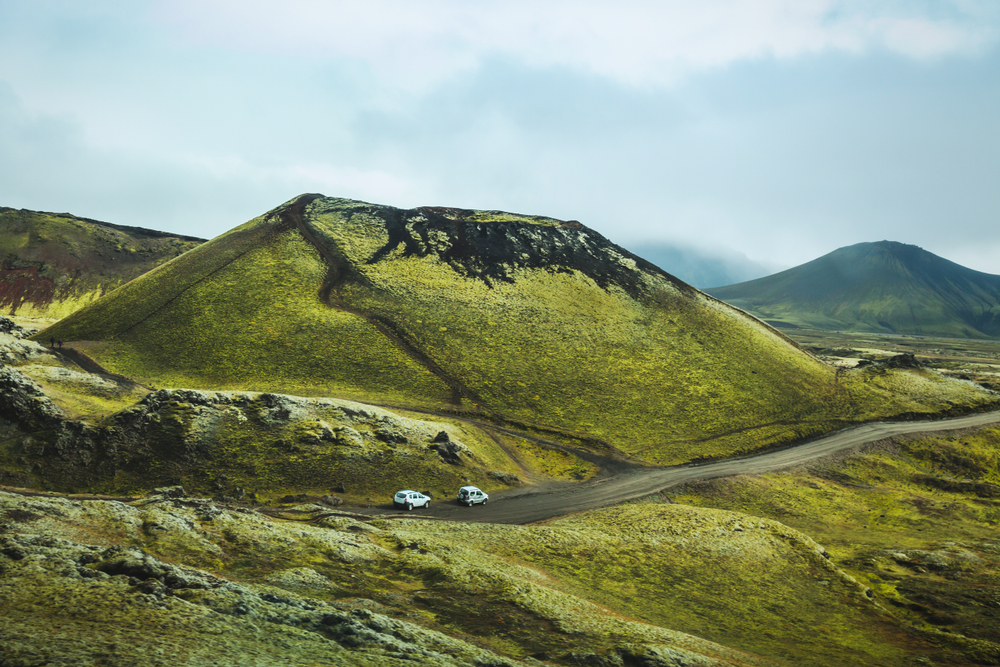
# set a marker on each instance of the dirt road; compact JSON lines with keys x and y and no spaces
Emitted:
{"x":536,"y":503}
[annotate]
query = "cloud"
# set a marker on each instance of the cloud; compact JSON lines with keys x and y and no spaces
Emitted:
{"x":638,"y":43}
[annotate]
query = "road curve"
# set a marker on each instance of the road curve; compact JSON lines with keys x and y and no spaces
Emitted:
{"x":537,"y":503}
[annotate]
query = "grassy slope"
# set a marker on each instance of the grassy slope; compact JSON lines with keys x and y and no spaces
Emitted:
{"x":54,"y":264}
{"x":715,"y":583}
{"x":216,"y":443}
{"x":914,"y":518}
{"x":648,"y":364}
{"x":667,"y":377}
{"x":880,"y":287}
{"x":243,"y":313}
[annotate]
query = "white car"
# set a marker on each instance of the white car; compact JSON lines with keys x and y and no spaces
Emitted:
{"x":471,"y":495}
{"x":410,"y":499}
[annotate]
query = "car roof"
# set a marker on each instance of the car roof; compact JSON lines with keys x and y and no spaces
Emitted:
{"x":469,"y":488}
{"x":404,"y":491}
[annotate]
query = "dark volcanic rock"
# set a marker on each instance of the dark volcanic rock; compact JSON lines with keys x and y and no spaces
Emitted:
{"x":23,"y":402}
{"x":8,"y":327}
{"x":448,"y":451}
{"x":491,"y":250}
{"x":905,"y":360}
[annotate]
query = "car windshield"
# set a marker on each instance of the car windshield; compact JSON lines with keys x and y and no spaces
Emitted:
{"x":399,"y":495}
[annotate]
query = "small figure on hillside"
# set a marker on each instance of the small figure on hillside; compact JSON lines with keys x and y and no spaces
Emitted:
{"x":60,"y":343}
{"x":53,"y":342}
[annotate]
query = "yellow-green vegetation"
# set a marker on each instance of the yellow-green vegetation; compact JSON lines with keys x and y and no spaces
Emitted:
{"x":916,"y":519}
{"x":243,"y":312}
{"x":647,"y":584}
{"x":82,"y":395}
{"x":77,"y":393}
{"x":667,"y":375}
{"x":264,"y":446}
{"x":523,"y":320}
{"x":54,"y":264}
{"x":550,"y":463}
{"x":62,"y":427}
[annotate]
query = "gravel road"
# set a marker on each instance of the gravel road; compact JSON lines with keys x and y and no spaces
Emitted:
{"x":540,"y":502}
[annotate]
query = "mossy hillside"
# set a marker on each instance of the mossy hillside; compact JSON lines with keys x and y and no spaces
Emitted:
{"x":536,"y":461}
{"x":77,"y":393}
{"x":265,"y":447}
{"x":55,"y":264}
{"x":335,"y":563}
{"x":690,"y":582}
{"x":739,"y":581}
{"x":130,"y":440}
{"x":663,"y":372}
{"x":244,"y":313}
{"x":523,"y":320}
{"x":83,"y":395}
{"x":915,"y":518}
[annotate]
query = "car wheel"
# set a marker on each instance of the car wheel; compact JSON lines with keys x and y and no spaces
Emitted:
{"x":409,"y":506}
{"x":427,"y":504}
{"x":484,"y":500}
{"x":468,"y":503}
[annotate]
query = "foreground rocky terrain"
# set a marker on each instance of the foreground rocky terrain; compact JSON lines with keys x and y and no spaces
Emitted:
{"x":175,"y":580}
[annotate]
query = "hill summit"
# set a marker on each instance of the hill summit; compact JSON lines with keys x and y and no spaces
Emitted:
{"x":518,"y":319}
{"x":884,"y":287}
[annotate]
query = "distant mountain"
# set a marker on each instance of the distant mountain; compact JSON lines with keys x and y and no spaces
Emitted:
{"x":520,"y":319}
{"x":884,"y":287}
{"x":51,"y":264}
{"x":701,"y":268}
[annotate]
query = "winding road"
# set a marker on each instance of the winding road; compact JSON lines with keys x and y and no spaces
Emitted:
{"x":545,"y":501}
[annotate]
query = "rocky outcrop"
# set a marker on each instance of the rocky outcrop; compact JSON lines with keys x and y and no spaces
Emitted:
{"x":23,"y":402}
{"x":203,"y":437}
{"x":288,"y":593}
{"x":11,"y":328}
{"x":78,"y":603}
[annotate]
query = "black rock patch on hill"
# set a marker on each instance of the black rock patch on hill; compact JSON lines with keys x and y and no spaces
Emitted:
{"x":487,"y":246}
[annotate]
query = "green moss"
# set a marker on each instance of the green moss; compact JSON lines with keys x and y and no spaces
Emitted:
{"x":666,"y":378}
{"x":251,"y":318}
{"x":915,"y":518}
{"x":662,"y":373}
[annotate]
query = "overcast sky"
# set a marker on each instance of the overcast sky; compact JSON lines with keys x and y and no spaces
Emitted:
{"x":780,"y":129}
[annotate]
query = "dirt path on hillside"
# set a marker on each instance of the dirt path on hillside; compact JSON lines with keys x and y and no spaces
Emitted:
{"x":552,"y":499}
{"x":622,"y":481}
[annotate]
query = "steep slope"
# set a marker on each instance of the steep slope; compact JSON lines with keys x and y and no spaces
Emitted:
{"x":883,"y":287}
{"x":519,"y":318}
{"x":54,"y":263}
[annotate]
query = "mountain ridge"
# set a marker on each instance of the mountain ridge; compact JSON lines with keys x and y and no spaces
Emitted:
{"x":881,"y":287}
{"x":54,"y":263}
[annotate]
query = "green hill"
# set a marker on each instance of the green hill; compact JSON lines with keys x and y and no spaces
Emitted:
{"x":883,"y":287}
{"x":523,"y":319}
{"x":54,"y":263}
